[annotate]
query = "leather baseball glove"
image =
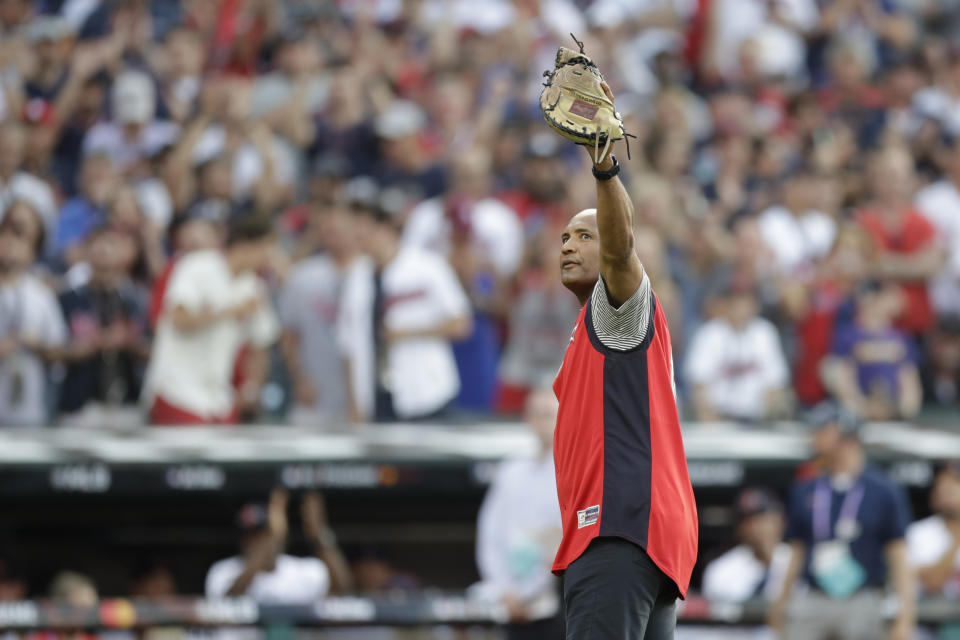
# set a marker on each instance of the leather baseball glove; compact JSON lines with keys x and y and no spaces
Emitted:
{"x":574,"y":103}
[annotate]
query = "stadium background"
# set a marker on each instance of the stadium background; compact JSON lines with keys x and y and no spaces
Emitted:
{"x":794,"y":174}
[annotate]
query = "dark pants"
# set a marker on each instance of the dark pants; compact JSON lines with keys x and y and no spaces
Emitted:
{"x":549,"y":629}
{"x":614,"y":591}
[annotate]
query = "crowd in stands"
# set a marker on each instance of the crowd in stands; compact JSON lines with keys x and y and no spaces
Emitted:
{"x":233,"y":210}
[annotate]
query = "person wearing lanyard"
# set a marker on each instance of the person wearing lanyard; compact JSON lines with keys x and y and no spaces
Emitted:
{"x":846,"y":528}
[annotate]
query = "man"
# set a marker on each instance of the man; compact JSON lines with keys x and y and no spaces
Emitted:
{"x":933,"y":544}
{"x":213,"y":305}
{"x":872,"y":370}
{"x":399,"y":313}
{"x":756,"y":566}
{"x":939,"y":204}
{"x":269,"y":576}
{"x":17,"y":184}
{"x":629,"y":517}
{"x":907,"y":251}
{"x":518,"y":532}
{"x":735,"y":364}
{"x":107,"y":319}
{"x":309,"y":308}
{"x":846,"y":529}
{"x":32,"y":332}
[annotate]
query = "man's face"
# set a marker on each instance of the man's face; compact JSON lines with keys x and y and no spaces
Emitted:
{"x":763,"y":530}
{"x":580,"y":252}
{"x":97,"y":179}
{"x":945,"y":498}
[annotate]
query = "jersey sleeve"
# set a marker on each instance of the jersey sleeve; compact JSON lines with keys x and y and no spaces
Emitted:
{"x":625,"y":327}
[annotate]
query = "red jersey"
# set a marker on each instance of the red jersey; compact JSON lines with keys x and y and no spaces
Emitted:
{"x":618,"y":450}
{"x":914,"y":234}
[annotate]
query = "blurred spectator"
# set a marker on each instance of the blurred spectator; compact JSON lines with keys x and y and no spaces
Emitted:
{"x":846,"y":529}
{"x":32,"y":330}
{"x":757,"y":565}
{"x":735,"y":364}
{"x":822,"y":307}
{"x":309,"y":307}
{"x":405,"y":160}
{"x":538,"y":327}
{"x":153,"y":580}
{"x":12,"y":585}
{"x":796,"y":233}
{"x":907,"y":251}
{"x":398,"y":316}
{"x":519,"y":531}
{"x":483,"y":240}
{"x":374,"y":572}
{"x":940,"y":204}
{"x":933,"y":544}
{"x":213,"y":305}
{"x":828,"y":422}
{"x":17,"y":184}
{"x":108,"y":345}
{"x":942,"y":379}
{"x":134,"y":134}
{"x":872,"y":369}
{"x":269,"y":576}
{"x":88,"y":209}
{"x":74,"y":589}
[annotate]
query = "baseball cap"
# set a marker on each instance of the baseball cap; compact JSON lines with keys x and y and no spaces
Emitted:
{"x":133,"y":97}
{"x":49,"y":29}
{"x":401,"y":119}
{"x":542,"y":145}
{"x":754,"y":501}
{"x":830,"y":413}
{"x":252,"y":517}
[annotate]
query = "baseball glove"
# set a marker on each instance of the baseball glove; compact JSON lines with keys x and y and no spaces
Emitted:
{"x":574,"y":103}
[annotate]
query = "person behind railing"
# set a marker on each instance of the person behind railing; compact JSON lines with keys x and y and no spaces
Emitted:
{"x":755,"y":568}
{"x":933,"y":543}
{"x":846,"y":529}
{"x":519,"y":530}
{"x":263,"y":572}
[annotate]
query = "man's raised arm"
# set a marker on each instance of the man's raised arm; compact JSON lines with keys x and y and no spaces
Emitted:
{"x":619,"y":265}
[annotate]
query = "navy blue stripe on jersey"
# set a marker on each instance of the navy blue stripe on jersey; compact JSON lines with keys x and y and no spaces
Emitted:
{"x":625,"y":511}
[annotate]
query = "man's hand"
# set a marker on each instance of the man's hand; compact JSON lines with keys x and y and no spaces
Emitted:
{"x":776,"y":615}
{"x":277,"y":523}
{"x":313,"y":511}
{"x":901,"y":629}
{"x":247,"y":308}
{"x":516,"y":608}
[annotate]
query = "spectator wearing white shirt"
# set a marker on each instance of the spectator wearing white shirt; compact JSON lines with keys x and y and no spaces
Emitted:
{"x":134,"y":134}
{"x":32,"y":332}
{"x":940,"y":204}
{"x":519,"y":530}
{"x":309,"y":309}
{"x":796,"y":233}
{"x":263,"y":572}
{"x":398,"y":316}
{"x":933,"y":543}
{"x":214,"y":304}
{"x":735,"y":363}
{"x":755,"y":568}
{"x":17,"y":184}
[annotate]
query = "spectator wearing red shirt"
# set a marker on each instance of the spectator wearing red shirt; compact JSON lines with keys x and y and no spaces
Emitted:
{"x":906,"y":251}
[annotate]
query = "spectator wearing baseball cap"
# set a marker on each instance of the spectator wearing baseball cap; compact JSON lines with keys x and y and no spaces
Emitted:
{"x":265,"y":573}
{"x":846,"y":529}
{"x":757,"y":565}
